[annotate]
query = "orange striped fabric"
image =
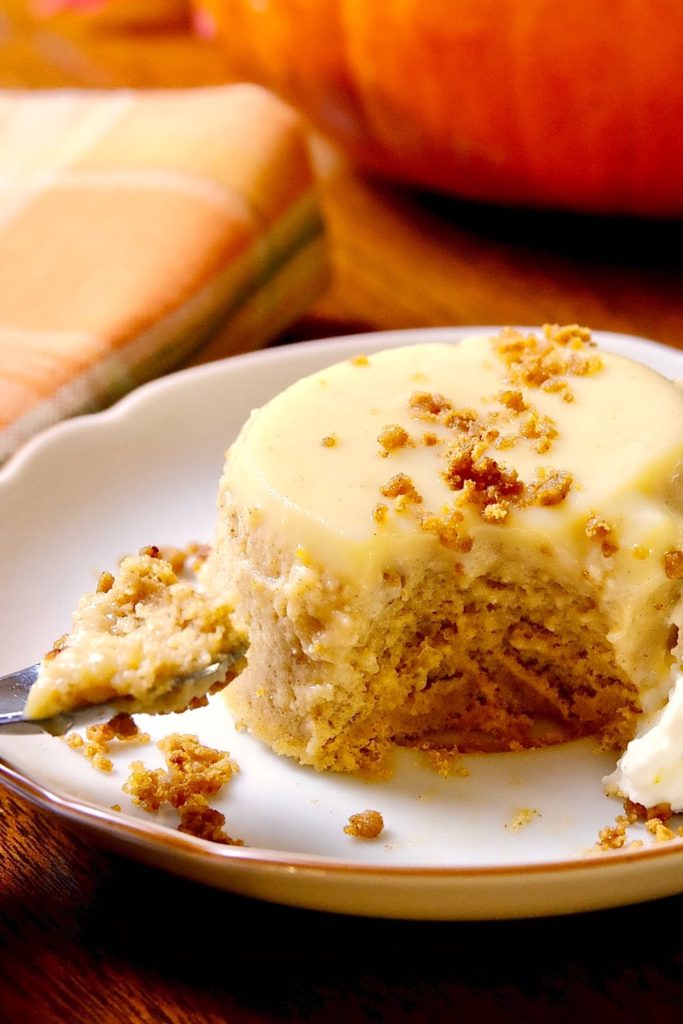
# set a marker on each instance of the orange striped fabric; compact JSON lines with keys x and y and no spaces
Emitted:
{"x":135,"y":226}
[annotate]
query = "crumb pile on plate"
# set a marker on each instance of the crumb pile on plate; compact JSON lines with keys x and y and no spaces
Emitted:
{"x":367,"y":824}
{"x":477,"y":546}
{"x":142,"y":630}
{"x":193,"y":773}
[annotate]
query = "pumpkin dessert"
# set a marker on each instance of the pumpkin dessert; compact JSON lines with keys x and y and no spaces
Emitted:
{"x":131,"y":640}
{"x":476,"y":546}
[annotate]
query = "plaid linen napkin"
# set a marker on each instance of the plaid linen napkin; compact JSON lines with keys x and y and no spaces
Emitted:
{"x":134,"y":226}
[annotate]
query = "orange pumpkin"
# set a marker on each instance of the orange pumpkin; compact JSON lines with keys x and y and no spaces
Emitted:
{"x":119,"y":13}
{"x":574,"y":105}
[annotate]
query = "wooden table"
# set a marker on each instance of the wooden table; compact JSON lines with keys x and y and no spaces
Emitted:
{"x":88,"y":937}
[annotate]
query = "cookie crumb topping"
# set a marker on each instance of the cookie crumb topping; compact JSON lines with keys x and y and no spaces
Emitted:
{"x":550,"y":487}
{"x":392,"y":437}
{"x":402,"y":488}
{"x":547,"y":361}
{"x":673,"y":564}
{"x":598,"y":528}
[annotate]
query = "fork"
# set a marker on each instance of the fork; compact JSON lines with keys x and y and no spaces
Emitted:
{"x":15,"y":686}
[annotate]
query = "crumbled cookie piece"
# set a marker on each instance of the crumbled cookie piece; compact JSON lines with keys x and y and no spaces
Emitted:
{"x":550,"y":486}
{"x":545,"y":362}
{"x":482,"y":480}
{"x":613,"y":837}
{"x":538,"y":428}
{"x":429,"y":406}
{"x":193,"y":773}
{"x":98,"y":739}
{"x":402,"y":488}
{"x":598,"y":528}
{"x":198,"y":819}
{"x":447,"y":527}
{"x":513,"y":400}
{"x":659,"y":831}
{"x":393,"y":437}
{"x":673,"y":564}
{"x":365,"y":825}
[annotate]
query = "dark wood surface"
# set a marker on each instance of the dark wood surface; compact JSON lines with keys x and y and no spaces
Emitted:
{"x":86,"y":936}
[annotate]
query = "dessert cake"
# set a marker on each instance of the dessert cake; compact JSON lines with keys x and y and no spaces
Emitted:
{"x":133,"y":639}
{"x":477,"y":546}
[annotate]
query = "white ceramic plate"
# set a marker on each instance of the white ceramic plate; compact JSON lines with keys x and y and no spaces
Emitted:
{"x":84,"y":493}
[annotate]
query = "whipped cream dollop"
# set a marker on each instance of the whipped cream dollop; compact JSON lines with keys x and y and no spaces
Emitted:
{"x":650,"y":771}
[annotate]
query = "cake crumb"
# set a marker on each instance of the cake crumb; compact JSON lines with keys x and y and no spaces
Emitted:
{"x":524,"y":816}
{"x":638,"y":812}
{"x":613,"y":837}
{"x":379,"y":513}
{"x":445,"y":761}
{"x":193,"y":772}
{"x":673,"y":564}
{"x":150,"y":551}
{"x":659,"y":831}
{"x":105,"y":582}
{"x":329,"y":441}
{"x":191,"y":556}
{"x":57,"y":647}
{"x":98,"y":739}
{"x":204,"y":822}
{"x":360,"y":360}
{"x":365,"y":825}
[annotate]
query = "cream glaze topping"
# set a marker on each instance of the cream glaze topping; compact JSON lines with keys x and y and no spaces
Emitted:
{"x":309,"y":468}
{"x":621,"y":439}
